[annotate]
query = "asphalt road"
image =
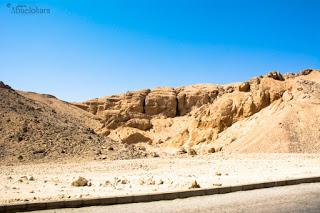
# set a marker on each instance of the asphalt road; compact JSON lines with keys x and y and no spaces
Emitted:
{"x":297,"y":198}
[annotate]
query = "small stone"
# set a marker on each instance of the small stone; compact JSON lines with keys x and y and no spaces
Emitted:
{"x":142,"y":148}
{"x":192,"y":152}
{"x":151,"y":182}
{"x":141,"y":182}
{"x":81,"y":181}
{"x":160,"y":182}
{"x":124,"y":181}
{"x":219,"y":149}
{"x":181,"y":151}
{"x":155,"y":155}
{"x":103,"y":157}
{"x":211,"y":150}
{"x":194,"y":185}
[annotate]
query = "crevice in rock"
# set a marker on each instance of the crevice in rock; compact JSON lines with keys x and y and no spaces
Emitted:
{"x":177,"y":107}
{"x":144,"y":105}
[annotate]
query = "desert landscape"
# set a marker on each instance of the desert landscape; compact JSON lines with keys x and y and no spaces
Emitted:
{"x":160,"y":139}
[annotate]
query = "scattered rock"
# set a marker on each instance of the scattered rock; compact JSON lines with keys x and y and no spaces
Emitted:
{"x":194,"y":185}
{"x":160,"y":182}
{"x":155,"y":155}
{"x":124,"y":181}
{"x":39,"y":151}
{"x":192,"y":152}
{"x":275,"y":75}
{"x":81,"y":181}
{"x":181,"y":151}
{"x":142,"y":148}
{"x":211,"y":150}
{"x":141,"y":182}
{"x":98,"y":152}
{"x":151,"y":182}
{"x":218,"y":174}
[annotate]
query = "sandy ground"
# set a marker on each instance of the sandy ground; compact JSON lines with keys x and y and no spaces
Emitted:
{"x":52,"y":181}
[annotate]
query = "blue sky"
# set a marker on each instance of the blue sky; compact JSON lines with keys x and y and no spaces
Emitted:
{"x":87,"y":49}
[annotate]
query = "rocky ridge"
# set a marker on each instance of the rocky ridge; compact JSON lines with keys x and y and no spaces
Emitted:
{"x":39,"y":127}
{"x":191,"y":115}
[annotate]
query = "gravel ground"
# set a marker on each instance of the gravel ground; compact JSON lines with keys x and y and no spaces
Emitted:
{"x":52,"y":181}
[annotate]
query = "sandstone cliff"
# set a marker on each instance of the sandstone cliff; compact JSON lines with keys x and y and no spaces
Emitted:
{"x":198,"y":116}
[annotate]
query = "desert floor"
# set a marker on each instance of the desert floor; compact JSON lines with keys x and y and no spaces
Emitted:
{"x":52,"y":181}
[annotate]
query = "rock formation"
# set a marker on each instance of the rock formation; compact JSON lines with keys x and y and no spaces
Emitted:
{"x":271,"y":113}
{"x":191,"y":115}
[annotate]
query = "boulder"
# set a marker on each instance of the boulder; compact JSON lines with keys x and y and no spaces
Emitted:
{"x":143,"y":124}
{"x":81,"y":181}
{"x":244,"y":87}
{"x":275,"y":75}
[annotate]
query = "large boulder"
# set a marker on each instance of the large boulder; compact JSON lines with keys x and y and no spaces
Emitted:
{"x":143,"y":124}
{"x":130,"y":135}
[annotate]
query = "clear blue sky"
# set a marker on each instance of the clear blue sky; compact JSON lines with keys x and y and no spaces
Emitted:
{"x":87,"y":49}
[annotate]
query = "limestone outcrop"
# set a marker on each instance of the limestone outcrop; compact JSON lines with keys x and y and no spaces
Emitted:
{"x":192,"y":115}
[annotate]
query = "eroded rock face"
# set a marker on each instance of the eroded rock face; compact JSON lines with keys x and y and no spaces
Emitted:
{"x":231,"y":108}
{"x":161,"y":101}
{"x":210,"y":109}
{"x":136,"y":109}
{"x":195,"y":96}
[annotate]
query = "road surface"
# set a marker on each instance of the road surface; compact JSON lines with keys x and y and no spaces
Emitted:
{"x":297,"y":198}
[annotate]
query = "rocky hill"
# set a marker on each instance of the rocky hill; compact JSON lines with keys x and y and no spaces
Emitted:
{"x":271,"y":113}
{"x":37,"y":127}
